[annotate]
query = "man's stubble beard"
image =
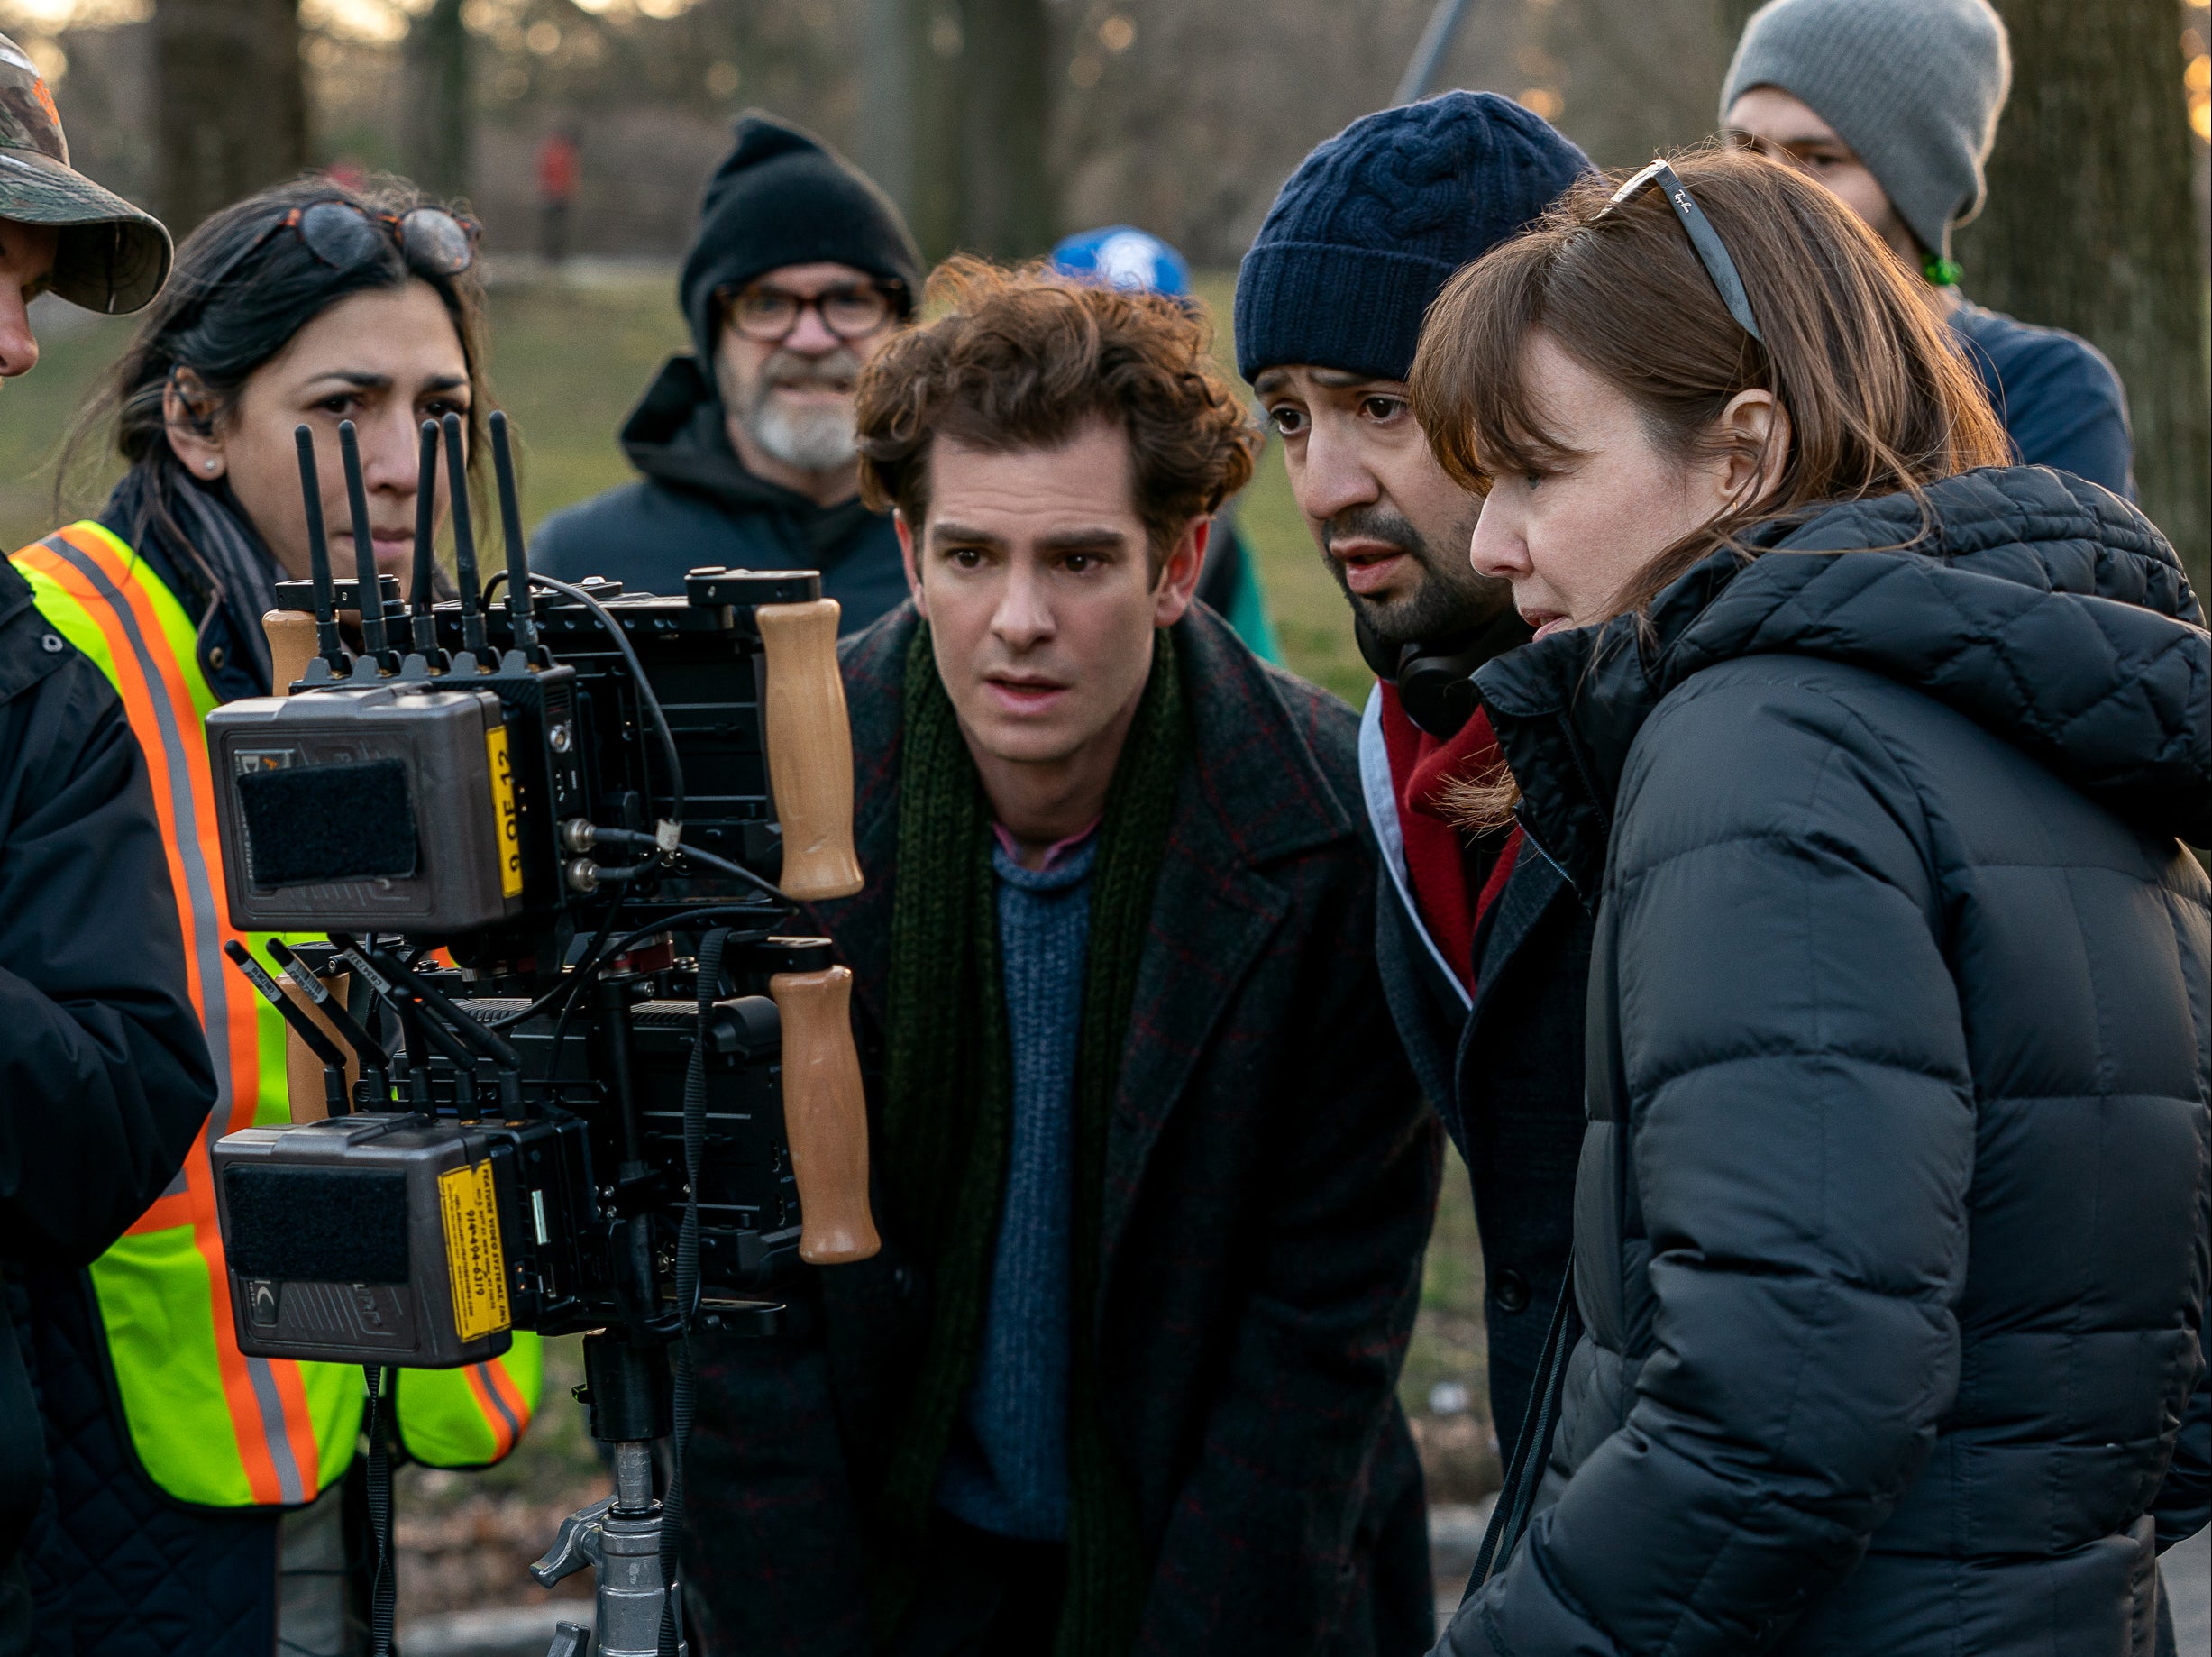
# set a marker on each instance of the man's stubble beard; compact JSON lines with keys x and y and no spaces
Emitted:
{"x":1451,"y":600}
{"x":812,"y":440}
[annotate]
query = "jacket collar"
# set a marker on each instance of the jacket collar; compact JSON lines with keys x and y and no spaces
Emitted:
{"x":2045,"y":609}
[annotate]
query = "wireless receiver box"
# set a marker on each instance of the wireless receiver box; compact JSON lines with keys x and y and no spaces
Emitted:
{"x":382,"y":809}
{"x":368,"y":1233}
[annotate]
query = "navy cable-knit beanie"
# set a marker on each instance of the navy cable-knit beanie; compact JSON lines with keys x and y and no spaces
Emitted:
{"x":1378,"y":218}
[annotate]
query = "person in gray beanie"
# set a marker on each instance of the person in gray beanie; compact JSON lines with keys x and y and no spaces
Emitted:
{"x":800,"y":272}
{"x":1482,"y":951}
{"x":1893,"y":106}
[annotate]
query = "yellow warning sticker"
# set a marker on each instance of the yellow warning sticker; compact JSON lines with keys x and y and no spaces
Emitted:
{"x":506,"y":825}
{"x":472,"y":1251}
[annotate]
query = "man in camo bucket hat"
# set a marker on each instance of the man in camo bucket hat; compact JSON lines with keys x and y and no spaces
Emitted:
{"x":108,"y":256}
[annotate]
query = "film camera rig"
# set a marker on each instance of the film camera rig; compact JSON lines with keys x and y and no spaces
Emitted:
{"x":575,"y":1076}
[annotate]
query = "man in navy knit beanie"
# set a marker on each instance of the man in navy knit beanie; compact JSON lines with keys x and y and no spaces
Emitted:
{"x":1329,"y":304}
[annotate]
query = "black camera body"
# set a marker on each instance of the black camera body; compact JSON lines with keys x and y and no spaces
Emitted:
{"x":420,"y":1239}
{"x":543,"y":842}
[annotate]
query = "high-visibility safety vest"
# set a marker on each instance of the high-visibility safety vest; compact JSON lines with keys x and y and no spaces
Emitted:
{"x":211,"y":1426}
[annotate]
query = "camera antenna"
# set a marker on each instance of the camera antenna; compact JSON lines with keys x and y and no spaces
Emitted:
{"x":370,"y":584}
{"x":374,"y":1060}
{"x":326,"y":644}
{"x":464,"y":543}
{"x":326,"y":1050}
{"x":510,"y":528}
{"x":423,"y":624}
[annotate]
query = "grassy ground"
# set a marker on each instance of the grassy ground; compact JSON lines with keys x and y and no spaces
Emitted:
{"x":567,"y":362}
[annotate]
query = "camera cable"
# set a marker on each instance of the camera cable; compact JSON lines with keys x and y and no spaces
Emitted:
{"x":671,"y":826}
{"x":685,"y":1389}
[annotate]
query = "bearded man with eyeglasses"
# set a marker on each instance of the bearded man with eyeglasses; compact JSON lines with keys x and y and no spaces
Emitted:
{"x":801,"y":269}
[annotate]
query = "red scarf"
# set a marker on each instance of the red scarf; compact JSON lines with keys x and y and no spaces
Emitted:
{"x":1435,"y":852}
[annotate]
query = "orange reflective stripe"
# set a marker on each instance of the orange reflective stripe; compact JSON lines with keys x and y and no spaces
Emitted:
{"x":170,"y":1208}
{"x":267,"y":1403}
{"x":199,"y":792}
{"x":500,"y":1405}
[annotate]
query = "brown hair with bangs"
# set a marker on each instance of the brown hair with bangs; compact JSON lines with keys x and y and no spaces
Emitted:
{"x":1026,"y":359}
{"x":1879,"y":400}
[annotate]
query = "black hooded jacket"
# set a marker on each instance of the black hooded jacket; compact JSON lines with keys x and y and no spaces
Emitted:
{"x":1891,"y":1232}
{"x":698,"y":504}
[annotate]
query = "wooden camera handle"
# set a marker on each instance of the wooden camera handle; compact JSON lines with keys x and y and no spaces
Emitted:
{"x":825,"y":1116}
{"x":809,"y":749}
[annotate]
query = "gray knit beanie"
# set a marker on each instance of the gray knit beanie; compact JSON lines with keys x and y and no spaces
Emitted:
{"x":1913,"y":86}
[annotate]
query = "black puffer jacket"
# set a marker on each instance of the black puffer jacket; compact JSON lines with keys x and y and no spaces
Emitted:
{"x":1891,"y":1228}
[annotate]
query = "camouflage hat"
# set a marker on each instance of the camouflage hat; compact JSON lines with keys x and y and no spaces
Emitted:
{"x":110,"y":256}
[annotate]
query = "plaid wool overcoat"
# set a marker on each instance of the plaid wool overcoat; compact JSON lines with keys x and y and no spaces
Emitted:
{"x":1271,"y":1174}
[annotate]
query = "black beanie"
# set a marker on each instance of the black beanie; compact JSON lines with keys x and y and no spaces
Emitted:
{"x":783,"y":197}
{"x":1374,"y":221}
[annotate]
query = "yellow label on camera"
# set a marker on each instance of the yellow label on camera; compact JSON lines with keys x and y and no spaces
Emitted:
{"x":472,"y":1251}
{"x":506,"y":825}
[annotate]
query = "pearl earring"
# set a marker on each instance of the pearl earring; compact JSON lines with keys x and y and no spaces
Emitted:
{"x":211,"y":465}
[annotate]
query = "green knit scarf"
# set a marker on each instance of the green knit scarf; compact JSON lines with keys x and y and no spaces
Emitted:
{"x":947,"y":1110}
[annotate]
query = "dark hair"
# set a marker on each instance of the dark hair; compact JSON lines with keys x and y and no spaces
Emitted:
{"x":1024,"y":359}
{"x":226,"y":311}
{"x":1877,"y":398}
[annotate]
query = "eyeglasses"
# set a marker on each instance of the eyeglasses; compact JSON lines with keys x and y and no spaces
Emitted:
{"x":344,"y":234}
{"x":769,"y":315}
{"x":1704,"y":241}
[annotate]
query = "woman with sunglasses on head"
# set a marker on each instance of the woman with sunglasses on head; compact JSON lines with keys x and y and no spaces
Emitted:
{"x":196,"y":1500}
{"x":1875,"y":757}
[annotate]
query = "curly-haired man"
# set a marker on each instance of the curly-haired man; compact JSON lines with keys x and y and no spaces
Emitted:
{"x":1153,"y":1179}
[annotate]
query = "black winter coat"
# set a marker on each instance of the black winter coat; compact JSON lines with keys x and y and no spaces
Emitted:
{"x":104,"y":1077}
{"x":1503,"y":1070}
{"x":1271,"y":1174}
{"x":1891,"y":1232}
{"x":698,"y":504}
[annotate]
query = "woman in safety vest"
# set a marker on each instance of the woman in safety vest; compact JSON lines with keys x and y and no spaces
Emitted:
{"x":190,"y":1481}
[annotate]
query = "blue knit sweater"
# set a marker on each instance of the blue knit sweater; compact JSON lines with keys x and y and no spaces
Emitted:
{"x":1006,"y":1469}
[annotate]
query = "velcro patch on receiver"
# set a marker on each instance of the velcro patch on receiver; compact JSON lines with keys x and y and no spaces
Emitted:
{"x":310,"y":824}
{"x":316,"y":1225}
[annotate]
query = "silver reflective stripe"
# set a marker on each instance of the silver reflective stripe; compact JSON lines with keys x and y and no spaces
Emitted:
{"x":207,"y":938}
{"x":491,"y":1391}
{"x":1375,"y":786}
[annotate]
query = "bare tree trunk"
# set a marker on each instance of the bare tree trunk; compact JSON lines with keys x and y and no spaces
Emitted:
{"x":1007,"y":127}
{"x":967,"y":157}
{"x":938,"y":45}
{"x":889,"y":73}
{"x":230,"y":104}
{"x":442,"y":122}
{"x":2091,"y":226}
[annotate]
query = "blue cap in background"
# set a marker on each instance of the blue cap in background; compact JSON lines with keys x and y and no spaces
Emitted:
{"x":1122,"y":256}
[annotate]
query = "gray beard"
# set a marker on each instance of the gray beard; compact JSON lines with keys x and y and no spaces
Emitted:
{"x":814,"y":440}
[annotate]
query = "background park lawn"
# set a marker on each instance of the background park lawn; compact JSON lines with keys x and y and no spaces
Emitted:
{"x":568,"y":360}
